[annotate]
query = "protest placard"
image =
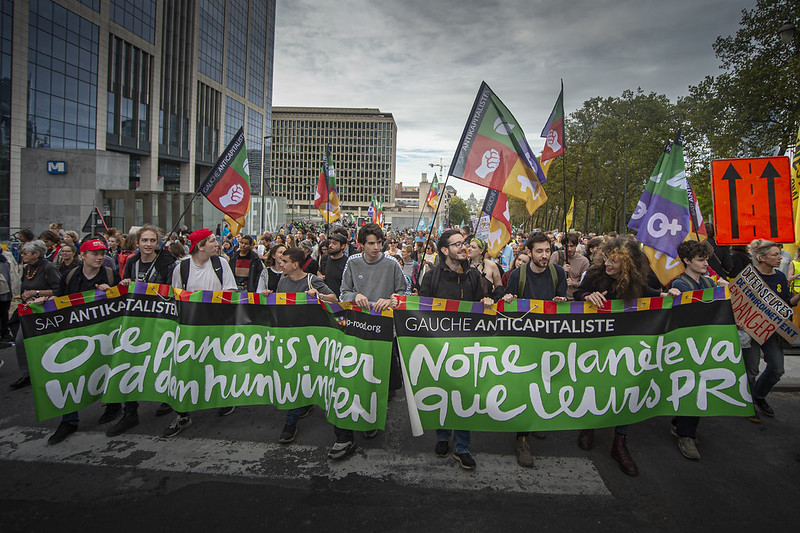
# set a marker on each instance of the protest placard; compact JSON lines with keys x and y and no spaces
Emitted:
{"x":759,"y":310}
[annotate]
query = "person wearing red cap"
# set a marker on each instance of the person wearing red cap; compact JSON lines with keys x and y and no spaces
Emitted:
{"x":91,"y":276}
{"x":203,"y":270}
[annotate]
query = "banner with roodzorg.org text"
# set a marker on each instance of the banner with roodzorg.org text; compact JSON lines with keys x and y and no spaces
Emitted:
{"x":208,"y":349}
{"x":536,"y":365}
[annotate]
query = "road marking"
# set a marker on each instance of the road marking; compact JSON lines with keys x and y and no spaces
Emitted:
{"x":552,"y":475}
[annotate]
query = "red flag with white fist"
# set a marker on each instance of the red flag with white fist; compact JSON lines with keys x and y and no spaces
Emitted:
{"x":227,"y":186}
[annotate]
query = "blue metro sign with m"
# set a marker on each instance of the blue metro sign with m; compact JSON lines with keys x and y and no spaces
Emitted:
{"x":56,"y":167}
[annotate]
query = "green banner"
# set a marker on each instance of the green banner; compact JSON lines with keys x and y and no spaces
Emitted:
{"x":207,"y":349}
{"x":541,"y":366}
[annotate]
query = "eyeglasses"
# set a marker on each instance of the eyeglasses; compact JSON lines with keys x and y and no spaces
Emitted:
{"x":608,"y":260}
{"x":459,"y":244}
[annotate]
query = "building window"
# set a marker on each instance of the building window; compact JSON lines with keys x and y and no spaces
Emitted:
{"x":128,"y":113}
{"x":209,"y":55}
{"x":237,"y":46}
{"x":138,"y":17}
{"x":62,"y":78}
{"x":171,"y":174}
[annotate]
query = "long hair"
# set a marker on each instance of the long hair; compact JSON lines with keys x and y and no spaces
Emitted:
{"x":632,"y":263}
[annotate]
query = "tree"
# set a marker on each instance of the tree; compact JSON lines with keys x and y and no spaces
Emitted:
{"x":614,"y":144}
{"x":458,"y":210}
{"x":753,"y":106}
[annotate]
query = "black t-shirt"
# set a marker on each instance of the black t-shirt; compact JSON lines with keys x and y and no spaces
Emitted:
{"x":333,"y":270}
{"x":310,"y":267}
{"x":79,"y":283}
{"x":538,"y":286}
{"x":140,"y":269}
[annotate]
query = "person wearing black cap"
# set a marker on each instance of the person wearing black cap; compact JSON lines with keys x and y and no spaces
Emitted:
{"x":91,"y":276}
{"x":203,"y":270}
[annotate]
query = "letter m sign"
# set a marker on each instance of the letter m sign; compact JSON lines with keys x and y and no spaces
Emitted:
{"x":56,"y":167}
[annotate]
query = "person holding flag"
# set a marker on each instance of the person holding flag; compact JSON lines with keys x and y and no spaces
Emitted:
{"x":202,"y":271}
{"x":538,"y":280}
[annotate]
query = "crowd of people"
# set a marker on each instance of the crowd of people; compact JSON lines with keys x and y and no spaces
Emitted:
{"x":372,"y":268}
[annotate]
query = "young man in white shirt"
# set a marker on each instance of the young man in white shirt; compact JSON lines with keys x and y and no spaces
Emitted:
{"x":204,"y":270}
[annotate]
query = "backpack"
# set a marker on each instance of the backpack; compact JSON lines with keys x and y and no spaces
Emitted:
{"x":523,"y":277}
{"x":216,"y":263}
{"x":71,"y":274}
{"x":705,"y":281}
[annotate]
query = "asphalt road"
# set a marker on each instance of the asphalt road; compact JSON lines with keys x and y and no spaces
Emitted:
{"x":226,"y":474}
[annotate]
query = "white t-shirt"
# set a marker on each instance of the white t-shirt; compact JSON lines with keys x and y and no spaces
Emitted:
{"x":204,"y":277}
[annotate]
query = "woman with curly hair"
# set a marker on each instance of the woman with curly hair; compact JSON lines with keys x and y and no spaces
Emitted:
{"x":617,"y":272}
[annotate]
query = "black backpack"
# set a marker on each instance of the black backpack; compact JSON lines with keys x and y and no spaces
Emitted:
{"x":216,"y":263}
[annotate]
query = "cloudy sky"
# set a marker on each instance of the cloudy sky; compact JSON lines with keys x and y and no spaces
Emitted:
{"x":423,"y":60}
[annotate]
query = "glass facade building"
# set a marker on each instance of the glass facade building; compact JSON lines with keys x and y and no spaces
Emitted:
{"x":126,"y":104}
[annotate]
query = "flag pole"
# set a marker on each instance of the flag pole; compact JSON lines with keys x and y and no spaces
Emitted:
{"x":430,"y":231}
{"x":564,"y":155}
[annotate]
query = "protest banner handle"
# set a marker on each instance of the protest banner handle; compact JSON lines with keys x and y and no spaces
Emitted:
{"x":411,"y":402}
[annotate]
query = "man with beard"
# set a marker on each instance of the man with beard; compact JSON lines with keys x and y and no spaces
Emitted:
{"x":331,"y":266}
{"x":538,"y":280}
{"x":454,"y":279}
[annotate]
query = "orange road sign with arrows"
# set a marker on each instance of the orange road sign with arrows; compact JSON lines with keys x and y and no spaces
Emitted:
{"x":752,"y":200}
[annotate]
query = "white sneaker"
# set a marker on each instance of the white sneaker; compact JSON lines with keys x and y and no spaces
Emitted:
{"x":340,"y":450}
{"x":688,"y":448}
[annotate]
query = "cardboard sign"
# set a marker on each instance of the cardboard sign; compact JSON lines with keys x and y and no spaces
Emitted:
{"x":759,"y":310}
{"x":752,"y":200}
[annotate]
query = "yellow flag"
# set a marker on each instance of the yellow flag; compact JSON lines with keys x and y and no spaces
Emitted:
{"x":570,"y":213}
{"x":235,"y":225}
{"x":546,"y":166}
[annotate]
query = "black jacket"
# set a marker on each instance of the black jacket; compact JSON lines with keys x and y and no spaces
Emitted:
{"x":256,"y":266}
{"x":441,"y":282}
{"x":161,"y":271}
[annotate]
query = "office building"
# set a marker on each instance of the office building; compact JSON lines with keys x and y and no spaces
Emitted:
{"x":363,"y":145}
{"x":125,"y":105}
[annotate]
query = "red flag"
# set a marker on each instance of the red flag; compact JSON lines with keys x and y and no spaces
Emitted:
{"x":554,"y":130}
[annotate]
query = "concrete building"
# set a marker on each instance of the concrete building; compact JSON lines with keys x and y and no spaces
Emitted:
{"x":126,"y":104}
{"x":363,"y":145}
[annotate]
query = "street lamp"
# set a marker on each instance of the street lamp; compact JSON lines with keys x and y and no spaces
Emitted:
{"x":264,"y":185}
{"x":788,"y":34}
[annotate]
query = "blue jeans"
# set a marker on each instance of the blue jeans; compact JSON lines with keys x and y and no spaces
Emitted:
{"x":773,"y":356}
{"x":293,"y":416}
{"x":460,"y":442}
{"x":22,"y":358}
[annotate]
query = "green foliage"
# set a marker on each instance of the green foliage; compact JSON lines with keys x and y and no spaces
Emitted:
{"x":747,"y":110}
{"x":612,"y":142}
{"x":458,"y":210}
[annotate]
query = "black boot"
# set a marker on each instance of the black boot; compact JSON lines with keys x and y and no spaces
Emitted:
{"x":619,"y":451}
